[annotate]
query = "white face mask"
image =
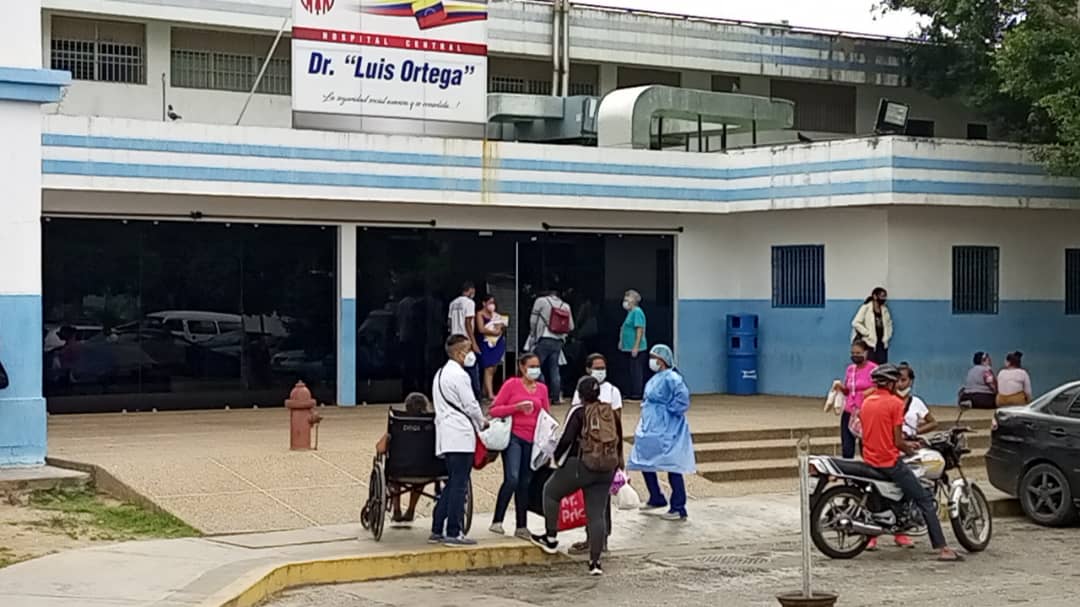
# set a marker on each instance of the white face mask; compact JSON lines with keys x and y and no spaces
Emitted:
{"x":654,"y":365}
{"x":470,"y":359}
{"x":627,"y":305}
{"x":903,"y":391}
{"x":533,"y":373}
{"x":599,"y":374}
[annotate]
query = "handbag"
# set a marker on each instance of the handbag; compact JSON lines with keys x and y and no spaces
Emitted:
{"x":4,"y":382}
{"x":497,"y":435}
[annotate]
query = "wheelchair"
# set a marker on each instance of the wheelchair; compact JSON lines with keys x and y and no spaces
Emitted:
{"x":409,"y":465}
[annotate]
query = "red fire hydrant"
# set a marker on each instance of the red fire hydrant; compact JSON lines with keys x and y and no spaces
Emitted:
{"x":302,"y":418}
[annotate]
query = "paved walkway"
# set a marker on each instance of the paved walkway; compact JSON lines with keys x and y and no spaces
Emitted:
{"x":205,"y":572}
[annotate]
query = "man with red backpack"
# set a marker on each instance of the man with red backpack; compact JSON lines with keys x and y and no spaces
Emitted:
{"x":550,"y":323}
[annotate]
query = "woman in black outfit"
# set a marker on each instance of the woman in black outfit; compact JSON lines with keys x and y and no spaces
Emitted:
{"x":573,"y":475}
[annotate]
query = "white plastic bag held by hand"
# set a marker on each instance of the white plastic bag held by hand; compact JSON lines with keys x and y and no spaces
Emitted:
{"x":627,"y":498}
{"x":835,"y":401}
{"x":545,"y":440}
{"x":497,"y":435}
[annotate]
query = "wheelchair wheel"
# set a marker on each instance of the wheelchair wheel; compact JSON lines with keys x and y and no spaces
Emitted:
{"x":468,"y":508}
{"x":377,"y":502}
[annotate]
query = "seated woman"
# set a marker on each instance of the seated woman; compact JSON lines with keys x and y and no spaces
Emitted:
{"x":1013,"y":382}
{"x":415,"y":404}
{"x":980,"y":387}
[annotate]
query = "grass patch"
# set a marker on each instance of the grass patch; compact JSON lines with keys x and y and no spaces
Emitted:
{"x":7,"y":557}
{"x":81,"y":513}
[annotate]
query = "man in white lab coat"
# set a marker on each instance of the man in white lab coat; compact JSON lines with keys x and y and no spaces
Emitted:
{"x":458,"y":417}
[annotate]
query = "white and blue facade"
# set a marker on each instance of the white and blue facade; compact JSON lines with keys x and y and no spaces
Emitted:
{"x":886,"y":210}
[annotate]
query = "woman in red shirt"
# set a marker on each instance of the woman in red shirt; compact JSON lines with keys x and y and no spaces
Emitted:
{"x":520,"y":398}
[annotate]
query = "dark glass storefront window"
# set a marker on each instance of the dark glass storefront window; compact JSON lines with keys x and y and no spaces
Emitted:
{"x":406,"y":279}
{"x":185,"y":315}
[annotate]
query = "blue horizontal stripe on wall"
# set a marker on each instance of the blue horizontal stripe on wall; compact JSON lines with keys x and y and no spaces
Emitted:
{"x":626,"y":191}
{"x":803,"y":350}
{"x":523,"y":164}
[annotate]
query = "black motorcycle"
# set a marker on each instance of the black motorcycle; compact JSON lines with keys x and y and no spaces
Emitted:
{"x":852,"y":502}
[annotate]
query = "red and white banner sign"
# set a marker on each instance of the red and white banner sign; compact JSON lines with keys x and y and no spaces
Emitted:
{"x":420,"y":59}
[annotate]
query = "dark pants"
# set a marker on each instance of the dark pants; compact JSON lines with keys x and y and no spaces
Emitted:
{"x":450,"y":509}
{"x":848,"y":441}
{"x":548,"y":350}
{"x":595,"y":485}
{"x":980,"y":400}
{"x":517,"y":474}
{"x":474,"y":375}
{"x":635,"y":374}
{"x":678,"y":491}
{"x":904,"y":478}
{"x":879,"y":355}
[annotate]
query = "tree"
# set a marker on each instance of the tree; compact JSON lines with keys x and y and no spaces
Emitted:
{"x":1016,"y":62}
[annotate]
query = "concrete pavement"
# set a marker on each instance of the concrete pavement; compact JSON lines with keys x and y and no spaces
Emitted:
{"x":245,"y":569}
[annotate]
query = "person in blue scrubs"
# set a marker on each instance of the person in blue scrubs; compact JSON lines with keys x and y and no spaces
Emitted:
{"x":662,"y":441}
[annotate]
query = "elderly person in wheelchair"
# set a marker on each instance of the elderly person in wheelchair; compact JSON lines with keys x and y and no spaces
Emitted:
{"x":416,"y":405}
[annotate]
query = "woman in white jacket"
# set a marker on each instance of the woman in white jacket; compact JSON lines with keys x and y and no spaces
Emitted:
{"x":873,"y":324}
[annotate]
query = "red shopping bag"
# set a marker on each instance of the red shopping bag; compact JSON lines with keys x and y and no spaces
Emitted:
{"x":572,"y":511}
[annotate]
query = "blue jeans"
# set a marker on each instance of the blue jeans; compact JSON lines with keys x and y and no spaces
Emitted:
{"x":548,"y":351}
{"x":904,"y":478}
{"x":678,"y":491}
{"x":848,"y":441}
{"x":517,"y":474}
{"x":474,"y":375}
{"x":450,"y":509}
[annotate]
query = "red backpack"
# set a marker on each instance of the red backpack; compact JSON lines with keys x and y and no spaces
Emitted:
{"x":560,"y":322}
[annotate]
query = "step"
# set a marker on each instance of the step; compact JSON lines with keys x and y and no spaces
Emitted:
{"x":783,"y":448}
{"x":40,"y":478}
{"x":786,"y":467}
{"x":981,"y":426}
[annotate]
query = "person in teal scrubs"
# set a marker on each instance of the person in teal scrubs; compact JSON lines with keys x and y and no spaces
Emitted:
{"x":632,"y":343}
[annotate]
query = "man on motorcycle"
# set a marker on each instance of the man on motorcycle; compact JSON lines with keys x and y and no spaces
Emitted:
{"x":882,"y":418}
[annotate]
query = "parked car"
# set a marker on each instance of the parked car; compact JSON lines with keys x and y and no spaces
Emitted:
{"x":1035,"y":455}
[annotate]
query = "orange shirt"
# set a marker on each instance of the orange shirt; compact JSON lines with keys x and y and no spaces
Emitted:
{"x":881,"y":413}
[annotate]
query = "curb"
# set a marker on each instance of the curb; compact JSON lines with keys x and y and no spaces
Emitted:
{"x":1004,"y":507}
{"x":257,"y":586}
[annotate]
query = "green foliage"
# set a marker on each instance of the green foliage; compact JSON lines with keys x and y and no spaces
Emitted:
{"x":81,"y":513}
{"x":1016,"y":62}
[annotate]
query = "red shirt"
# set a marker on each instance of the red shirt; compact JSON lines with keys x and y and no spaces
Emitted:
{"x":882,"y":412}
{"x":513,"y":391}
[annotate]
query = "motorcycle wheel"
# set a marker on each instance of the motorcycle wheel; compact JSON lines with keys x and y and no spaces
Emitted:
{"x":841,"y":501}
{"x":975,"y":525}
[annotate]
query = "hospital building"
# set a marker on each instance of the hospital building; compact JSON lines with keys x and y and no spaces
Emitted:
{"x":201,"y":207}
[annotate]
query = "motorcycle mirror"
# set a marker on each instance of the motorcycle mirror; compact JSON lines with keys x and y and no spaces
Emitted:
{"x":966,"y":404}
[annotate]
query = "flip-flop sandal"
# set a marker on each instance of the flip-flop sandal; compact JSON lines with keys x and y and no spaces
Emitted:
{"x":955,"y":558}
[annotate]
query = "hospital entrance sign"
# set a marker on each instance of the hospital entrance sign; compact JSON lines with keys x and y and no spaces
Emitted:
{"x":422,"y":59}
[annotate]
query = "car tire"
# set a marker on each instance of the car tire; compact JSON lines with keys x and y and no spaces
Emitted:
{"x":1046,"y":497}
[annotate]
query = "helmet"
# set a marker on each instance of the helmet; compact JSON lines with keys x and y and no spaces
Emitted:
{"x":885,"y":374}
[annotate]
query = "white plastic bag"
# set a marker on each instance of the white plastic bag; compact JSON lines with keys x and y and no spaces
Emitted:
{"x":545,"y":439}
{"x":627,"y":498}
{"x":835,"y":401}
{"x":497,"y":435}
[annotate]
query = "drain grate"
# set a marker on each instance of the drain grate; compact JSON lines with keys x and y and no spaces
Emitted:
{"x":713,"y":562}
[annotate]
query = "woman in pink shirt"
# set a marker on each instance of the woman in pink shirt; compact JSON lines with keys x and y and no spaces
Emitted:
{"x":521,"y":399}
{"x":856,"y":383}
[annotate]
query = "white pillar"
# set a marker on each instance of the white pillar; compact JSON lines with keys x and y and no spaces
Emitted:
{"x":24,"y":86}
{"x":609,"y":78}
{"x":346,"y":306}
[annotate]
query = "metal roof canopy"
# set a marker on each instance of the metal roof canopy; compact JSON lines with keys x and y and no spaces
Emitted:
{"x":626,"y":115}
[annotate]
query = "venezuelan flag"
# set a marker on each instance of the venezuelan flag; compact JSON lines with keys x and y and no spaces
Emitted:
{"x":429,"y":13}
{"x":389,"y":8}
{"x":460,"y":12}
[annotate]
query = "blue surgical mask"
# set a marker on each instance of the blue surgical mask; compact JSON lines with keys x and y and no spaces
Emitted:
{"x":533,"y":373}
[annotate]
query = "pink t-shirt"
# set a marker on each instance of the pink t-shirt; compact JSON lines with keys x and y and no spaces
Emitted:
{"x":513,"y":391}
{"x":857,"y":381}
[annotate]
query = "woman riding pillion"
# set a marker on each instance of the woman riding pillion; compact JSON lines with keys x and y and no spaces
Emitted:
{"x":662,"y":442}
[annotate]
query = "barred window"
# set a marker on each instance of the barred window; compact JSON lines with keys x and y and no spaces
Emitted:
{"x":975,"y":280}
{"x":105,"y":51}
{"x":819,"y":106}
{"x":582,"y":88}
{"x":1072,"y":281}
{"x":507,"y":84}
{"x":798,"y":276}
{"x":228,"y":62}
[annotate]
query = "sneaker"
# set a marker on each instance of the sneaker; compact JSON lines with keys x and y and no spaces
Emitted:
{"x":460,"y":540}
{"x":435,"y":538}
{"x":904,"y":541}
{"x":522,"y":533}
{"x":545,"y":543}
{"x":497,"y":529}
{"x":871,"y":546}
{"x":673,"y":516}
{"x":595,"y":569}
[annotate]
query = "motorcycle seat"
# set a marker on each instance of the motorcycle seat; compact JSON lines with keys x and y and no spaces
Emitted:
{"x":857,"y":468}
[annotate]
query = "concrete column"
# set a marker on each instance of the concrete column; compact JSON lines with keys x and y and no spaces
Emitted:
{"x":609,"y":78}
{"x":159,"y":58}
{"x":346,"y":340}
{"x":24,"y":86}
